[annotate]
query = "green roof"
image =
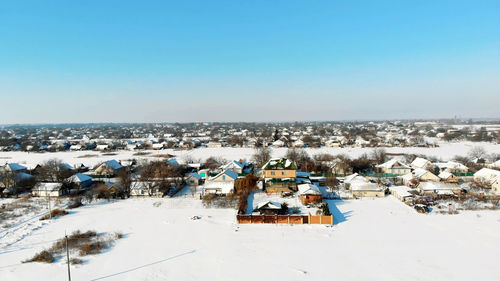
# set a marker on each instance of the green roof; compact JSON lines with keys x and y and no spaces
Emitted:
{"x":280,"y":164}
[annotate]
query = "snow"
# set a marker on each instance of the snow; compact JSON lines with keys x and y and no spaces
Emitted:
{"x":445,"y":151}
{"x":373,"y":239}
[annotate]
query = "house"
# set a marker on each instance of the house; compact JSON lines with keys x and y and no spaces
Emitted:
{"x":452,"y":167}
{"x":280,"y":175}
{"x":240,"y":167}
{"x":109,"y":168}
{"x":422,"y":163}
{"x":439,"y":188}
{"x":14,"y":168}
{"x":271,"y":208}
{"x":361,"y":187}
{"x":421,"y":175}
{"x":489,"y":177}
{"x":393,"y":166}
{"x":193,"y":179}
{"x":222,"y":183}
{"x":141,"y":188}
{"x":82,"y":180}
{"x":402,"y":192}
{"x":340,"y":167}
{"x":309,"y":193}
{"x":448,"y":177}
{"x":214,"y":144}
{"x":47,"y":189}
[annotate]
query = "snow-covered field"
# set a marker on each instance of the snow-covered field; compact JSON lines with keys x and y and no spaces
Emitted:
{"x":445,"y":151}
{"x":373,"y":239}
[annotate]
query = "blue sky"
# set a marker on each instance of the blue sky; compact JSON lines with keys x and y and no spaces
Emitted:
{"x":170,"y":61}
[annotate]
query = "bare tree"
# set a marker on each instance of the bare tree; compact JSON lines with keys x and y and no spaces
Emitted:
{"x":477,"y":152}
{"x":261,"y":155}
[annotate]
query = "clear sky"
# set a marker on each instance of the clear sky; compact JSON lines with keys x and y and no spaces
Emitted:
{"x":169,"y":61}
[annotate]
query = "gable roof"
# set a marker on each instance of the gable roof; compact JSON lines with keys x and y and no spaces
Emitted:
{"x":280,"y":164}
{"x":113,"y":164}
{"x":195,"y":175}
{"x":269,"y":205}
{"x":79,"y":177}
{"x":391,"y":163}
{"x":308,"y":189}
{"x":16,"y":167}
{"x":420,"y":162}
{"x":229,"y":173}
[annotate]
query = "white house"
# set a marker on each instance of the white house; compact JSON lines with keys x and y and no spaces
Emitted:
{"x":44,"y":189}
{"x":422,"y":163}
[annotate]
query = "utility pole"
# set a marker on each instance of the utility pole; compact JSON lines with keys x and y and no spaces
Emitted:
{"x":48,"y":200}
{"x":67,"y":256}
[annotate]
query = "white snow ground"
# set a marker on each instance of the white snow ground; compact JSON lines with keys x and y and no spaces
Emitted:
{"x":445,"y":151}
{"x":373,"y":239}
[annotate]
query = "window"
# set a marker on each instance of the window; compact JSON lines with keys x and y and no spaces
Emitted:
{"x":223,"y":178}
{"x":283,"y":173}
{"x":273,"y":173}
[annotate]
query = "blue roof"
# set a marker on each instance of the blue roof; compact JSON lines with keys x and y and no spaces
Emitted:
{"x":231,"y":174}
{"x":196,"y":176}
{"x":113,"y":164}
{"x":22,"y":176}
{"x":16,"y":167}
{"x":67,"y":166}
{"x":82,"y":177}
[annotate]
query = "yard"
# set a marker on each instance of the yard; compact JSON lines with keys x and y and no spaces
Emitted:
{"x":373,"y":239}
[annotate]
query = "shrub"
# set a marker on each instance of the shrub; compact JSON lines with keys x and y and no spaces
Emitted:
{"x":77,"y":202}
{"x":76,"y":261}
{"x":54,"y":213}
{"x":93,"y":248}
{"x":43,"y":256}
{"x":207,"y":199}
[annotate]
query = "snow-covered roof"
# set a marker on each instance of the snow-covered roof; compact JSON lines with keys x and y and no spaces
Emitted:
{"x":487,"y":174}
{"x":308,"y":189}
{"x":47,"y":186}
{"x":401,"y":190}
{"x":280,"y":164}
{"x":445,"y":175}
{"x":269,"y":205}
{"x":452,"y":165}
{"x":420,"y":162}
{"x":235,"y":164}
{"x":391,"y":163}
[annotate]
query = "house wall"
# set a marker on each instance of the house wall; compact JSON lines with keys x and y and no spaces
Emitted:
{"x":368,"y":193}
{"x":395,"y":171}
{"x":223,"y":178}
{"x":279,"y":173}
{"x":104,"y":170}
{"x":311,"y":198}
{"x":429,"y":177}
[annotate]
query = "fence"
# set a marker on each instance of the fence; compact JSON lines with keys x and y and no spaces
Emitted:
{"x":284,"y":219}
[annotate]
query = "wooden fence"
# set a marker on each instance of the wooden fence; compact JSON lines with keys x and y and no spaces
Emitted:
{"x":284,"y":219}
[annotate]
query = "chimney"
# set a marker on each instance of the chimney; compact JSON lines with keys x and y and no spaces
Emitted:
{"x":367,"y":179}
